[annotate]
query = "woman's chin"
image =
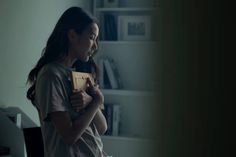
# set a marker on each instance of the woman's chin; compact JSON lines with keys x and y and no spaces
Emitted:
{"x":87,"y":59}
{"x":84,"y":59}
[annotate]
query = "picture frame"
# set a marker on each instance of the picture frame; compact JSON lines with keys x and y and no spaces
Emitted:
{"x":134,"y":28}
{"x":110,"y":3}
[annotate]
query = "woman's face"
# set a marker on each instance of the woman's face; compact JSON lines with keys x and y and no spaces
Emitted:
{"x":85,"y":44}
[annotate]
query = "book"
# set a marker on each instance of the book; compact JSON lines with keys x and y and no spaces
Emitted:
{"x":106,"y":27}
{"x":112,"y":115}
{"x":107,"y":84}
{"x":102,"y":28}
{"x":116,"y":73}
{"x":113,"y":27}
{"x":108,"y":115}
{"x":110,"y":3}
{"x":115,"y":119}
{"x":111,"y":74}
{"x":79,"y":80}
{"x":101,"y":74}
{"x":110,"y":27}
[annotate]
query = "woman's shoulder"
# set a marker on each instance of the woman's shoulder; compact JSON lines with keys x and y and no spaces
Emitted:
{"x":54,"y":69}
{"x":49,"y":68}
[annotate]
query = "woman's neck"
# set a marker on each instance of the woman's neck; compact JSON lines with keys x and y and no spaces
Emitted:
{"x":67,"y":61}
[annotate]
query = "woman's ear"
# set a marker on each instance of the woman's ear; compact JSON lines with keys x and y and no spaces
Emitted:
{"x":72,"y":35}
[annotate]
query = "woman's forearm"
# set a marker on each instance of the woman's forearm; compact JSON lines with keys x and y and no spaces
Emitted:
{"x":71,"y":131}
{"x":100,"y":121}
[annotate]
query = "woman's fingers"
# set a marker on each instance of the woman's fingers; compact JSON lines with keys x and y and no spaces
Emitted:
{"x":76,"y":102}
{"x":80,"y":99}
{"x":78,"y":108}
{"x":90,"y":84}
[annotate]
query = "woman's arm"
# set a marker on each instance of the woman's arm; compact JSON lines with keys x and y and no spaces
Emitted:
{"x":100,"y":122}
{"x":70,"y":130}
{"x":80,"y":100}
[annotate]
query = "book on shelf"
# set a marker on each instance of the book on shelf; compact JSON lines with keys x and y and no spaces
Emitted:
{"x":112,"y":73}
{"x":110,"y":27}
{"x":106,"y":27}
{"x":108,"y":115}
{"x":103,"y":80}
{"x":110,"y":3}
{"x":101,"y":73}
{"x":115,"y":119}
{"x":107,"y":84}
{"x":116,"y":73}
{"x":109,"y":77}
{"x":112,"y":115}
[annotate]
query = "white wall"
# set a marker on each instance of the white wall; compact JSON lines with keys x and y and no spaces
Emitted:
{"x":25,"y":26}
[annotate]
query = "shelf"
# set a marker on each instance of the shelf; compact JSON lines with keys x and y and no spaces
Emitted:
{"x":124,"y":9}
{"x":127,"y":92}
{"x":125,"y":138}
{"x":126,"y":42}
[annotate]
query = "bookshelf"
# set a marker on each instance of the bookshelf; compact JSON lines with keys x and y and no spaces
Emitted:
{"x":134,"y":61}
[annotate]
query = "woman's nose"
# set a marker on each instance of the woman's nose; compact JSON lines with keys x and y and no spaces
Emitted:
{"x":95,"y":46}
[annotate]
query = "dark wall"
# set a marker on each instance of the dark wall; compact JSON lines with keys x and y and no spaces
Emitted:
{"x":195,"y":71}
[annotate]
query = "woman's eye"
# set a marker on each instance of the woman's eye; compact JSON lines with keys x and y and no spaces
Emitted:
{"x":92,"y":37}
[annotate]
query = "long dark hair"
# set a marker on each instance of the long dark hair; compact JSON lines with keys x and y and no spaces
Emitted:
{"x":58,"y":43}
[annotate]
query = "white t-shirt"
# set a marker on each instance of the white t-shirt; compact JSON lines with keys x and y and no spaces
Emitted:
{"x":53,"y":90}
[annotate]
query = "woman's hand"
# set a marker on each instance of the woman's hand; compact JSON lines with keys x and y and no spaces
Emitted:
{"x":80,"y":100}
{"x":95,"y":92}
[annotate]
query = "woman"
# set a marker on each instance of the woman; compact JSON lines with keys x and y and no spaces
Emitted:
{"x":71,"y":121}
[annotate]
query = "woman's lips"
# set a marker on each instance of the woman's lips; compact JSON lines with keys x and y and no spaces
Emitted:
{"x":90,"y":54}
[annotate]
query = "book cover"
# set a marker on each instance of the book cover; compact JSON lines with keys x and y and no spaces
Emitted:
{"x":107,"y":84}
{"x":79,"y":80}
{"x":110,"y":27}
{"x":115,"y":119}
{"x":113,"y":27}
{"x":108,"y":115}
{"x":101,"y":73}
{"x":112,"y":115}
{"x":110,"y":73}
{"x":107,"y":27}
{"x":116,"y":73}
{"x":110,"y":3}
{"x":102,"y":28}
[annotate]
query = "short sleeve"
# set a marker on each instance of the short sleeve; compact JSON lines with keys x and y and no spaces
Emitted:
{"x":50,"y":95}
